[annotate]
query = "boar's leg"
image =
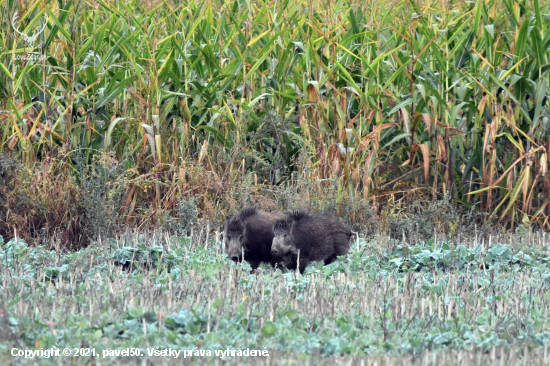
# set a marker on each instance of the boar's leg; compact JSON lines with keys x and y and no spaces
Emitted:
{"x":254,"y":265}
{"x":290,"y":265}
{"x":276,"y":262}
{"x":290,"y":262}
{"x":330,"y":259}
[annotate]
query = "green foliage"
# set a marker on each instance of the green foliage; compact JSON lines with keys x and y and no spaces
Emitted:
{"x":186,"y":216}
{"x":387,"y":98}
{"x":408,"y":300}
{"x":102,"y":185}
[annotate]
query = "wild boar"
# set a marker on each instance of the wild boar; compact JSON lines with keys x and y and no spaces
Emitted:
{"x":318,"y":237}
{"x":251,"y":232}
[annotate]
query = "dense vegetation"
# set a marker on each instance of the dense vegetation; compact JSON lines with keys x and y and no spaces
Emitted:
{"x":375,"y":101}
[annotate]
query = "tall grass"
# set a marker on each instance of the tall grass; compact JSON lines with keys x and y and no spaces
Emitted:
{"x":403,"y":99}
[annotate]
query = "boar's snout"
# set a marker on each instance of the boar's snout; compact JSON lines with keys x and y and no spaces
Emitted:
{"x":277,"y":248}
{"x":234,"y":247}
{"x":234,"y":255}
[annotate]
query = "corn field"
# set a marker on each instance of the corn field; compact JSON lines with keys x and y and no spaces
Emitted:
{"x":402,"y":99}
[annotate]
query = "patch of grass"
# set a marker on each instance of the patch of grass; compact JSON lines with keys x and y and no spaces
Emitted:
{"x":41,"y":207}
{"x":103,"y":184}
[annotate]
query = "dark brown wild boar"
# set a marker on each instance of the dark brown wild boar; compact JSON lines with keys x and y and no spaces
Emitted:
{"x":251,"y":231}
{"x":318,"y":237}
